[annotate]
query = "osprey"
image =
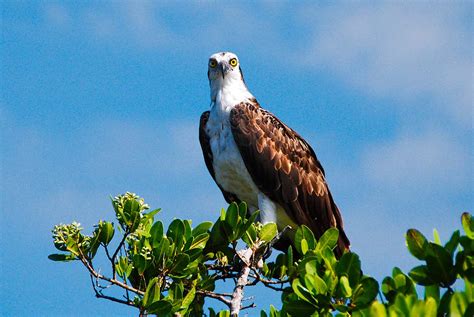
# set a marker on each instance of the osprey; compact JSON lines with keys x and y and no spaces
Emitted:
{"x":254,"y":157}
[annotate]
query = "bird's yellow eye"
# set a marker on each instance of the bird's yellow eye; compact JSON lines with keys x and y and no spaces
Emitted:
{"x":212,"y":63}
{"x":233,"y":62}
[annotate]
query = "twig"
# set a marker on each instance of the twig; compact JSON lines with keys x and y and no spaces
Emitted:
{"x":249,"y":306}
{"x":221,"y":297}
{"x":99,"y":294}
{"x":107,"y":253}
{"x":110,"y":280}
{"x":114,"y":273}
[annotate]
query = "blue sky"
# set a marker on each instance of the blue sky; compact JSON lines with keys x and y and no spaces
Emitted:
{"x":99,"y":98}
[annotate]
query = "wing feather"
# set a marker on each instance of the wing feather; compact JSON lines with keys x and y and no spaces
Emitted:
{"x":285,"y":168}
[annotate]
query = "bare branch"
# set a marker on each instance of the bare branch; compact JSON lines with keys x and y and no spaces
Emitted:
{"x":110,"y":280}
{"x":99,"y":294}
{"x":249,"y":306}
{"x":220,"y":297}
{"x":268,"y":283}
{"x":236,"y":302}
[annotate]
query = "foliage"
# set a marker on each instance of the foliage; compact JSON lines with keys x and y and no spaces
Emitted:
{"x":171,"y":271}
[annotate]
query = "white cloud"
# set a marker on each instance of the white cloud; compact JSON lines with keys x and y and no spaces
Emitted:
{"x":413,"y":52}
{"x":58,"y":15}
{"x":431,"y":159}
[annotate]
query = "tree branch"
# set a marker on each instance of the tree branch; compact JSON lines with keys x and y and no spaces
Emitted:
{"x":114,"y":273}
{"x":220,"y":297}
{"x":110,"y":280}
{"x":238,"y":294}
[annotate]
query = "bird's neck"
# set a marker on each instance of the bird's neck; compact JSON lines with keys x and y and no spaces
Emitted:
{"x":226,"y":94}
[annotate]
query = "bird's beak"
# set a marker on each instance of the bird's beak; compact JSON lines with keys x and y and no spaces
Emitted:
{"x":224,"y":68}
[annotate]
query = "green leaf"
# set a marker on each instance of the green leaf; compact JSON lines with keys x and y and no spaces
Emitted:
{"x":289,"y":257}
{"x":315,"y":284}
{"x":159,"y":251}
{"x":304,"y":232}
{"x":268,"y":232}
{"x":440,"y":265}
{"x":436,"y":238}
{"x":61,"y":257}
{"x":432,"y":291}
{"x":458,"y":304}
{"x":304,"y":246}
{"x":188,"y":299}
{"x":377,"y":309}
{"x":417,"y":243}
{"x":468,"y":224}
{"x":176,"y":231}
{"x":199,"y":242}
{"x":106,"y":232}
{"x":180,"y":263}
{"x":243,"y":210}
{"x":160,"y":308}
{"x":232,"y":215}
{"x":344,"y":286}
{"x":453,"y":242}
{"x":365,"y":292}
{"x":249,"y":222}
{"x":123,"y":267}
{"x":431,"y":307}
{"x":140,"y":263}
{"x":224,"y":313}
{"x":301,"y":291}
{"x":250,"y":235}
{"x":202,"y":228}
{"x":153,"y":292}
{"x":299,"y":308}
{"x":328,"y":239}
{"x":349,"y":265}
{"x":421,"y":275}
{"x":156,"y":232}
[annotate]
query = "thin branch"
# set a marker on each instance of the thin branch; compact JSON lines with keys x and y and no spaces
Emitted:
{"x":108,"y":254}
{"x":99,"y":294}
{"x":268,"y":283}
{"x":114,"y":273}
{"x":220,"y":297}
{"x":110,"y":280}
{"x":117,"y":300}
{"x":249,"y":306}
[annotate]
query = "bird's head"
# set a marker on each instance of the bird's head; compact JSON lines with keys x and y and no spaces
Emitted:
{"x":224,"y":67}
{"x":225,"y":76}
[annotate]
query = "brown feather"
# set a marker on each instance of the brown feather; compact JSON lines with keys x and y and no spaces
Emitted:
{"x":285,"y":168}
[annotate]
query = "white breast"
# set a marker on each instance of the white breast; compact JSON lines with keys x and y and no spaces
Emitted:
{"x":229,"y":168}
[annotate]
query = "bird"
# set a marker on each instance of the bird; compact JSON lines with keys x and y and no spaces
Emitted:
{"x":254,"y":157}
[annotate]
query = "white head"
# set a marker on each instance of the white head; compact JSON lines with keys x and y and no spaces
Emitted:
{"x":224,"y":72}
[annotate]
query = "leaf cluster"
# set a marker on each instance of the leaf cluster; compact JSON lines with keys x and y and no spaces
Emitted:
{"x":171,"y":271}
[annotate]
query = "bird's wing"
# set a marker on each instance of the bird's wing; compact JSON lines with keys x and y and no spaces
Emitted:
{"x":285,"y":168}
{"x":207,"y":153}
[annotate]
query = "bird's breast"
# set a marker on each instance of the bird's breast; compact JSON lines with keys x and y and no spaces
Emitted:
{"x":229,"y":167}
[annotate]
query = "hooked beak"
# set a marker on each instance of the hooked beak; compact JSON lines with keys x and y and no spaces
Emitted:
{"x":224,"y":68}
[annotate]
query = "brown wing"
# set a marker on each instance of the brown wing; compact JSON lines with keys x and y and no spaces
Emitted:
{"x":207,"y":153}
{"x":285,"y":168}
